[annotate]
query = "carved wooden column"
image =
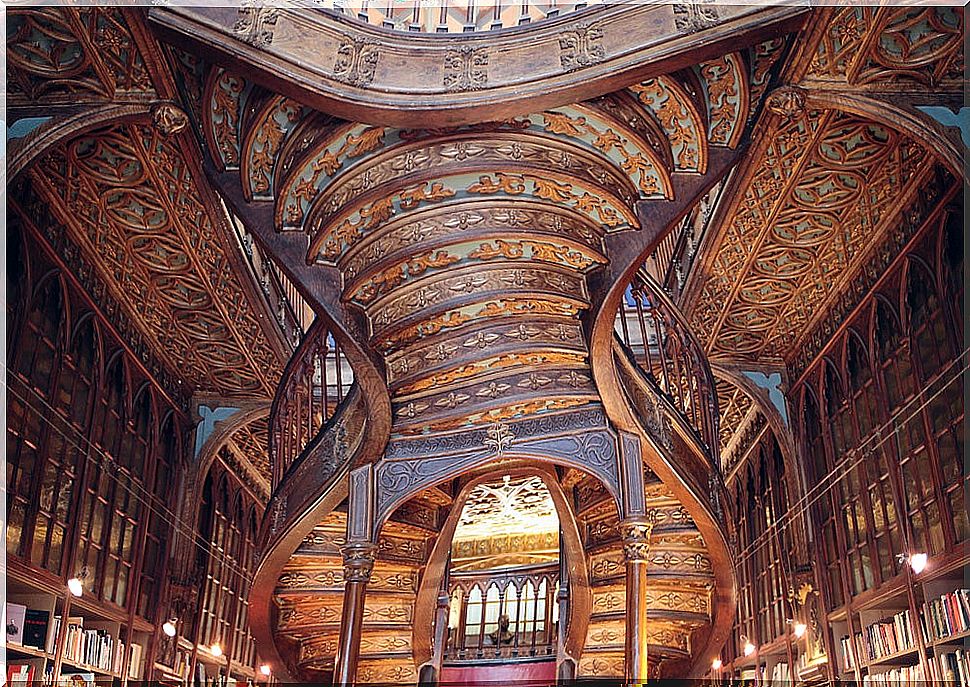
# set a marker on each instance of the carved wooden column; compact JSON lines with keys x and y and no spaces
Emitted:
{"x":358,"y":565}
{"x":636,"y":550}
{"x":635,"y":529}
{"x":358,"y":556}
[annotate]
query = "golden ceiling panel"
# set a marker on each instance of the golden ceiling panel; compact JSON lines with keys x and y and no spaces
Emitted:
{"x":868,"y":46}
{"x":512,"y":507}
{"x":251,"y":444}
{"x":733,"y":406}
{"x":59,"y":55}
{"x":132,"y":203}
{"x":823,"y":189}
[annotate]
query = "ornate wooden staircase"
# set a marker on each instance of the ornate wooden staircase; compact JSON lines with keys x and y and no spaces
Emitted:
{"x":473,"y":291}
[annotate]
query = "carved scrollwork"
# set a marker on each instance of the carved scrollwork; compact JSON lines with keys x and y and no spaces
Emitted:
{"x":356,"y":61}
{"x":169,"y":119}
{"x":581,"y":47}
{"x":787,"y":102}
{"x":466,"y":69}
{"x":694,"y":17}
{"x":635,"y":535}
{"x":256,"y":22}
{"x":358,"y":560}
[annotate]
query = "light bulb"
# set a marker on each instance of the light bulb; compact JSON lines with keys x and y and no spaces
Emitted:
{"x":75,"y":587}
{"x":716,"y":664}
{"x":215,"y":650}
{"x":799,"y":629}
{"x":917,"y":562}
{"x":748,"y":649}
{"x":169,"y":627}
{"x":265,"y":669}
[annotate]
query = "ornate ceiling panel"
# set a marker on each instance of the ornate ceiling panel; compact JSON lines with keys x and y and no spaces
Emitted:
{"x":741,"y":422}
{"x":132,"y":203}
{"x":83,"y":55}
{"x":822,"y":189}
{"x":513,"y":506}
{"x":888,"y":47}
{"x":250,"y":444}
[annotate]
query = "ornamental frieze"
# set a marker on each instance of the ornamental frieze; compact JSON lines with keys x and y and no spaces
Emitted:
{"x":331,"y":63}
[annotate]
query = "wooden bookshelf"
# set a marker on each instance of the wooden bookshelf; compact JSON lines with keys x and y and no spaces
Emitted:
{"x":91,"y":622}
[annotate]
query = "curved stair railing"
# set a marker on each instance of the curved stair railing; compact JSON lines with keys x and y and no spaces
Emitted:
{"x":318,"y":424}
{"x":667,"y":378}
{"x":669,"y":386}
{"x":314,"y":385}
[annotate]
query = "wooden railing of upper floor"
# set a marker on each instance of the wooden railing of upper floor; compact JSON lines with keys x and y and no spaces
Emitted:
{"x":290,"y":311}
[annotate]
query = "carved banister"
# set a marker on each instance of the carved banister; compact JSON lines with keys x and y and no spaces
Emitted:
{"x":313,"y":386}
{"x":671,"y":360}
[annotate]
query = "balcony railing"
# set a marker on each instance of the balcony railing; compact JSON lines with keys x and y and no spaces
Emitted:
{"x":525,"y":597}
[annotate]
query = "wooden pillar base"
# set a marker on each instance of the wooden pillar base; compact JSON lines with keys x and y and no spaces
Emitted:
{"x":636,"y":551}
{"x":358,"y":565}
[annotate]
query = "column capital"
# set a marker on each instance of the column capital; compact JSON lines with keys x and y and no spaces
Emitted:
{"x":358,"y":561}
{"x":635,"y":533}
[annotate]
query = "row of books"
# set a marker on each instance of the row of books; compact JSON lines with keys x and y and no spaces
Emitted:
{"x":905,"y":675}
{"x":26,"y":675}
{"x":950,"y":614}
{"x":886,"y":637}
{"x":91,"y":646}
{"x":27,"y":626}
{"x":954,"y":668}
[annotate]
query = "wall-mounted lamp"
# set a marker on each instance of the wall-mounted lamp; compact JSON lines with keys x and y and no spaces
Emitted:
{"x":75,"y":585}
{"x":169,"y":627}
{"x":917,"y":561}
{"x":716,"y":664}
{"x":748,"y":646}
{"x":798,"y":628}
{"x":265,"y":670}
{"x":215,"y":650}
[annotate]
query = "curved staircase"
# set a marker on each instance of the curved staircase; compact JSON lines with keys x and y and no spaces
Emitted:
{"x":467,"y":281}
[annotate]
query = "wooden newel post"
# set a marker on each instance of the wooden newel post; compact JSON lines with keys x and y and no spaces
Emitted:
{"x":636,"y":550}
{"x":358,"y":565}
{"x":358,"y":554}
